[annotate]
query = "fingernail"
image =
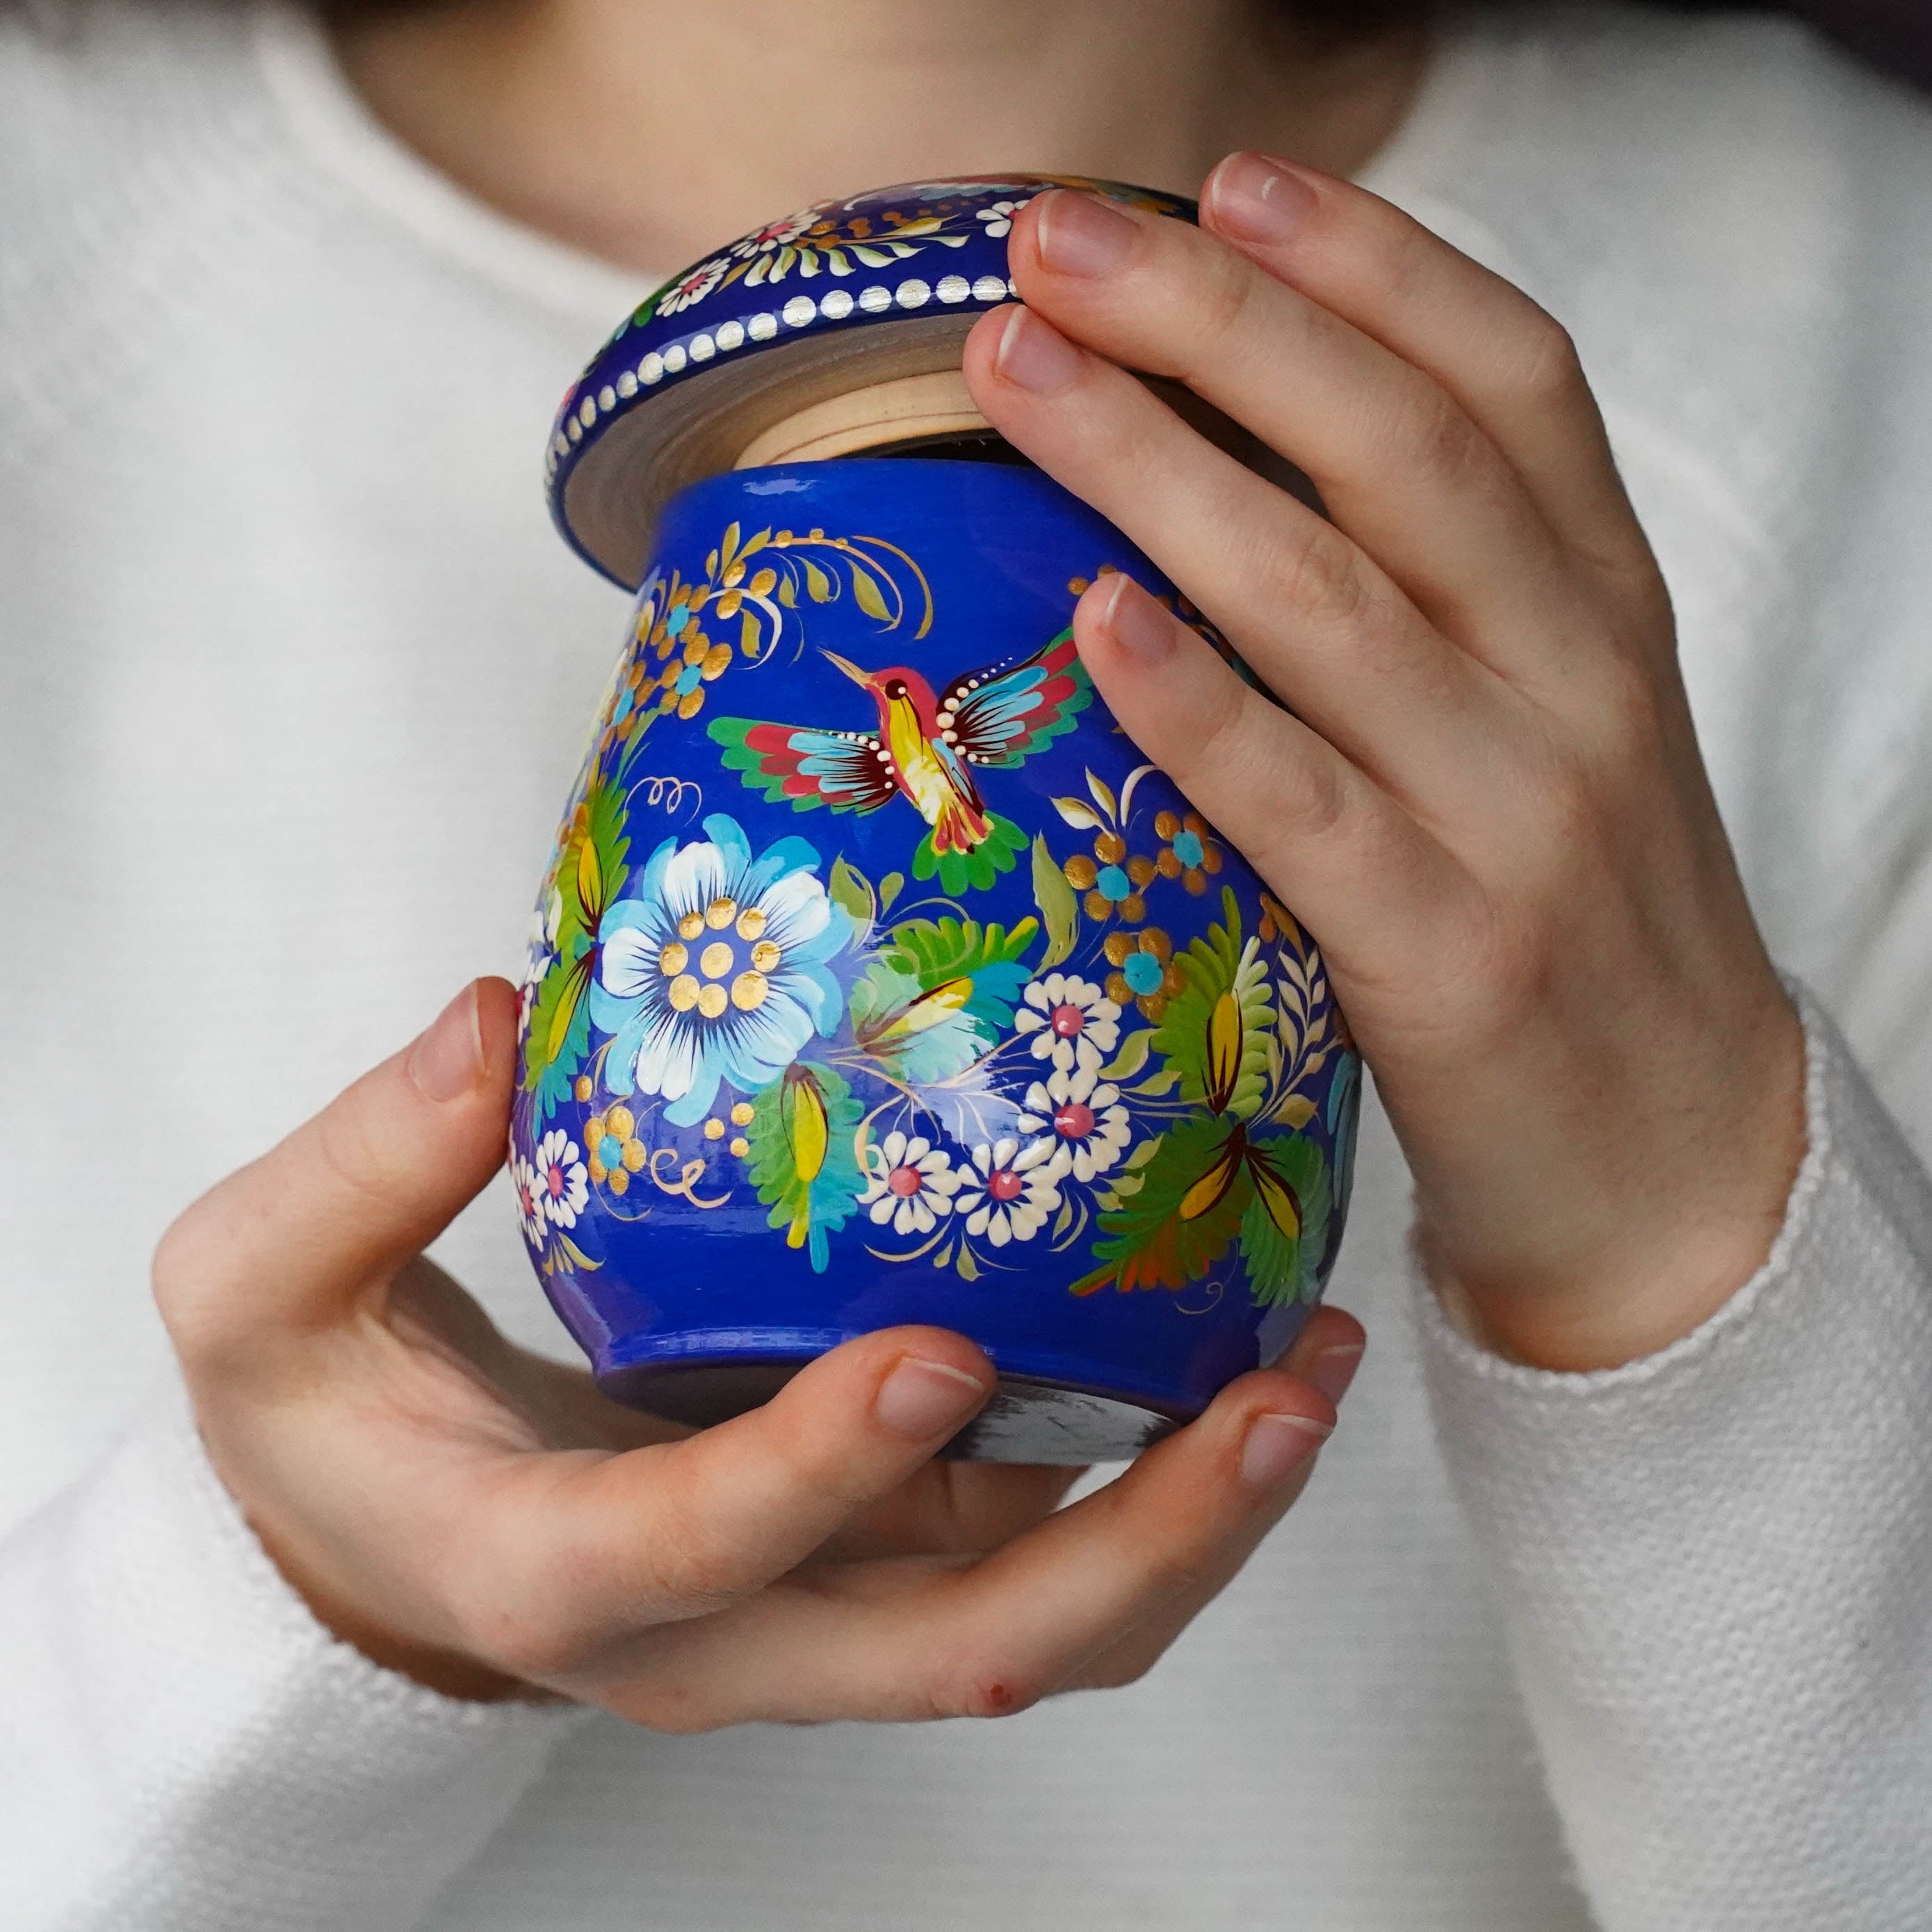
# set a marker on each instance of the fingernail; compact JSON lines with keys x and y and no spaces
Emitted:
{"x":1136,"y":622}
{"x":1334,"y":1368}
{"x":1033,"y":354}
{"x":1278,"y":1445}
{"x":920,"y":1398}
{"x":447,"y":1060}
{"x":1077,"y":235}
{"x":1259,"y":199}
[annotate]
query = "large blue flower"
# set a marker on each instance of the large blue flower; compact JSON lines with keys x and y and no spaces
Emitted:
{"x":714,"y":969}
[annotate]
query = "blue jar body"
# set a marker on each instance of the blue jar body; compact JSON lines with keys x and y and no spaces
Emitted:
{"x":877,"y":979}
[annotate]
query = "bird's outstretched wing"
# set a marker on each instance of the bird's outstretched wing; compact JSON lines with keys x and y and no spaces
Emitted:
{"x":796,"y":764}
{"x":1001,"y":716}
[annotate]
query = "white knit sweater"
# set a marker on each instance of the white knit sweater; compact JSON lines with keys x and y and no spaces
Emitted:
{"x":292,"y":676}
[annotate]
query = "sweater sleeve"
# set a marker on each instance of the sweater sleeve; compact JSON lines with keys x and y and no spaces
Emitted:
{"x":184,"y":1747}
{"x":1716,"y":1564}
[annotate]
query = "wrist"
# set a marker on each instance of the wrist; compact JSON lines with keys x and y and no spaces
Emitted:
{"x":1643,"y":1280}
{"x":320,"y":1584}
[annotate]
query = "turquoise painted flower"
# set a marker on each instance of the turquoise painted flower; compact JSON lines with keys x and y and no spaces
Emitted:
{"x":715,"y":969}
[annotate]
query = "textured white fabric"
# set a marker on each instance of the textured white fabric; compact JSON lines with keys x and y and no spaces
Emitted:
{"x":1720,"y":1599}
{"x":293,"y":676}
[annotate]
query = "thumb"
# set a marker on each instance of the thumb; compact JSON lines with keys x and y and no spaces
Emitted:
{"x":307,"y":1232}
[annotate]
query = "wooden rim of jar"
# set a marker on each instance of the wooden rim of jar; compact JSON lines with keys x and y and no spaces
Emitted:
{"x":845,"y":395}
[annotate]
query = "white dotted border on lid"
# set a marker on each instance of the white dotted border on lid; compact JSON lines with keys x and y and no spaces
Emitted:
{"x":799,"y":312}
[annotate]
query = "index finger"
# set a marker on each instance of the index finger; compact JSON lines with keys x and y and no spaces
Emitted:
{"x":1510,"y":365}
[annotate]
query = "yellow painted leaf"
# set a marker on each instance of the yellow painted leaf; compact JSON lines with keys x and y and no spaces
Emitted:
{"x":1224,"y":1051}
{"x":1283,"y":1209}
{"x":1297,"y":1110}
{"x":867,"y":591}
{"x":805,"y":1127}
{"x":941,"y":1003}
{"x":589,"y":883}
{"x":578,"y":980}
{"x":1212,"y":1185}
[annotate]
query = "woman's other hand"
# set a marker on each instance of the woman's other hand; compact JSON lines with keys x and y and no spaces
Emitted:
{"x":485,"y":1521}
{"x":1481,"y":789}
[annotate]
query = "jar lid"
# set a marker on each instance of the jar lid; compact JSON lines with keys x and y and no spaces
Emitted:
{"x":880,"y":288}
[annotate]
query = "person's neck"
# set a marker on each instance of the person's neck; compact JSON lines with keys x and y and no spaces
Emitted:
{"x":649,"y":131}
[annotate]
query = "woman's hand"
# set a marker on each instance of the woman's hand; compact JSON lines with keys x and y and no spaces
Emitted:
{"x":1484,"y":795}
{"x":485,"y":1521}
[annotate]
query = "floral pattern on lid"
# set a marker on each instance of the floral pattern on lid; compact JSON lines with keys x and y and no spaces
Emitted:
{"x":875,"y":259}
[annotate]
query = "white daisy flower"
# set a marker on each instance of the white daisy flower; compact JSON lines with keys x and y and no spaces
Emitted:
{"x":529,"y":1200}
{"x":694,"y":285}
{"x":539,"y":956}
{"x":562,"y":1185}
{"x":910,"y":1183}
{"x":1071,"y":1020}
{"x":1008,"y":1191}
{"x":1079,"y":1119}
{"x":998,"y":215}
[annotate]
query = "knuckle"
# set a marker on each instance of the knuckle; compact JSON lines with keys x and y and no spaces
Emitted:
{"x":1550,"y":369}
{"x":681,"y":1718}
{"x":1317,"y":578}
{"x":1627,"y":722}
{"x":346,"y":1143}
{"x":537,"y":1647}
{"x":1225,"y":285}
{"x":1443,"y":445}
{"x":691,"y":1570}
{"x":190,"y":1278}
{"x":986,"y":1688}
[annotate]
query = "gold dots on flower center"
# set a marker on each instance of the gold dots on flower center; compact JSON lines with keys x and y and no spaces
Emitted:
{"x":716,"y":960}
{"x":712,"y":1001}
{"x":672,"y":960}
{"x":684,"y":992}
{"x":748,"y":991}
{"x":720,"y":912}
{"x":751,"y":923}
{"x":691,"y":925}
{"x":766,"y":956}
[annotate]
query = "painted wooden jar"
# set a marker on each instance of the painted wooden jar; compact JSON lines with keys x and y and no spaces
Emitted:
{"x":877,"y":978}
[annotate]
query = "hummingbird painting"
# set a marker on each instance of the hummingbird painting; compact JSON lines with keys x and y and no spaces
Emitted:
{"x":927,"y":749}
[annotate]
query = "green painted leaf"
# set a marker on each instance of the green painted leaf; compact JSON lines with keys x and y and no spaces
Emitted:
{"x":850,"y":889}
{"x":1133,"y":1053}
{"x":1285,"y":1225}
{"x":1216,"y":1030}
{"x":559,"y":1030}
{"x":1059,"y":909}
{"x":890,"y":887}
{"x":1196,"y":1186}
{"x":802,"y":1161}
{"x":936,"y":949}
{"x":818,"y":586}
{"x":940,"y":993}
{"x":957,"y":871}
